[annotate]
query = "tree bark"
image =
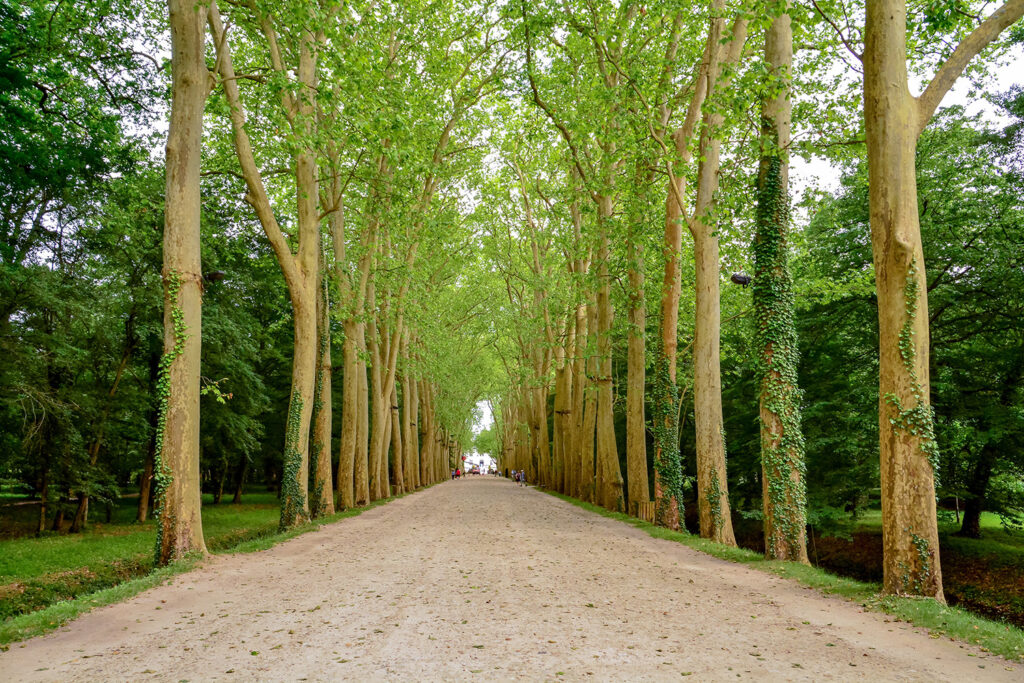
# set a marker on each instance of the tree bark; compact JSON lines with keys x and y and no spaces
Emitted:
{"x":397,"y":445}
{"x":636,"y":422}
{"x":180,"y":527}
{"x":349,"y":418}
{"x":610,"y":475}
{"x":784,"y":499}
{"x":301,"y":270}
{"x":321,"y":493}
{"x":910,"y":536}
{"x":712,"y":483}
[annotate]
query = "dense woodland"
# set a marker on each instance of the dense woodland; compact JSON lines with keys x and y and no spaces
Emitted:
{"x":301,"y":244}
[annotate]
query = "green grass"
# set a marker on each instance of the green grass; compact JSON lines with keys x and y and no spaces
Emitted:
{"x":60,"y":613}
{"x":940,"y":620}
{"x":120,"y":555}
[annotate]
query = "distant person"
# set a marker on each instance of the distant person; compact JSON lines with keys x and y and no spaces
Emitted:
{"x":506,"y":473}
{"x":453,"y":475}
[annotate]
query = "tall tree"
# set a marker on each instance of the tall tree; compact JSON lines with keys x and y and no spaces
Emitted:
{"x":782,"y":457}
{"x":180,"y":527}
{"x":301,"y":269}
{"x":893,"y":121}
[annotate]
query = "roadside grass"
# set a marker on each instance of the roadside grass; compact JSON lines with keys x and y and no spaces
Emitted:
{"x":940,"y":620}
{"x":51,"y":564}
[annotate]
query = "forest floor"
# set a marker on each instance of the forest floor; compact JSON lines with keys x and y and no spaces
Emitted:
{"x":484,"y":579}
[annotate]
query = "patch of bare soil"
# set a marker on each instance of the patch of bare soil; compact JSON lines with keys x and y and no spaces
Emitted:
{"x":481,"y":579}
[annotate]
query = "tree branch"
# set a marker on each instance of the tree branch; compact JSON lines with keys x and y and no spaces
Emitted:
{"x":967,"y":50}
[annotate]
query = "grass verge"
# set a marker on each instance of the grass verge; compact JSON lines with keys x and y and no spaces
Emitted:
{"x":940,"y":620}
{"x":56,"y":615}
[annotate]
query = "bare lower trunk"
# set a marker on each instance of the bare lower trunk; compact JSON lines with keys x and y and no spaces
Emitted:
{"x":636,"y":427}
{"x":579,"y":381}
{"x":397,"y":445}
{"x":558,"y":436}
{"x":427,"y":432}
{"x":180,"y":527}
{"x":668,"y":472}
{"x":712,"y":486}
{"x":610,"y":475}
{"x":362,"y":481}
{"x":145,"y":486}
{"x":349,"y":418}
{"x":588,"y":471}
{"x":295,"y":477}
{"x":321,"y":492}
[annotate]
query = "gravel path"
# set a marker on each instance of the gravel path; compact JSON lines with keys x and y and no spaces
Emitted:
{"x":481,"y":579}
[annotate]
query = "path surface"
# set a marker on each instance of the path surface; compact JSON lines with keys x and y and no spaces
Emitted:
{"x":480,"y":579}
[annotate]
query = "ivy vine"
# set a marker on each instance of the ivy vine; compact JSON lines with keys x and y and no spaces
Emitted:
{"x":919,"y":419}
{"x":782,"y":444}
{"x":292,"y":496}
{"x":163,"y":475}
{"x":665,"y":428}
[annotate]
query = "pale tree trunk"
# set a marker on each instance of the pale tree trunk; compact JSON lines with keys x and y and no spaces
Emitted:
{"x":570,"y":448}
{"x":409,"y":412}
{"x":784,"y":496}
{"x":588,"y":473}
{"x":349,"y":418}
{"x":668,"y":470}
{"x":321,"y":493}
{"x":397,"y":444}
{"x":146,"y":479}
{"x":377,"y":401}
{"x":667,"y":462}
{"x":558,"y":436}
{"x":910,"y":539}
{"x":712,"y":483}
{"x":362,"y":467}
{"x":610,"y":475}
{"x":579,"y":379}
{"x":636,"y":361}
{"x":301,"y":270}
{"x":893,"y":120}
{"x":427,"y":432}
{"x":180,"y":526}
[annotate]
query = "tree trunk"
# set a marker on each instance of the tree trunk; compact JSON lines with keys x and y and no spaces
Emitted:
{"x":712,"y":482}
{"x":908,"y":451}
{"x":145,"y":483}
{"x":668,"y":469}
{"x":349,"y":418}
{"x":295,"y":477}
{"x":240,"y":482}
{"x":784,"y":498}
{"x":977,"y":487}
{"x":588,"y":473}
{"x":180,"y":527}
{"x":362,"y":468}
{"x":321,"y":493}
{"x":636,"y":422}
{"x":146,"y":479}
{"x":410,"y":411}
{"x":610,"y":482}
{"x":397,"y":444}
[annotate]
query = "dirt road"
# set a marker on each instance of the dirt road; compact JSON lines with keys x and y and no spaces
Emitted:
{"x":481,"y":579}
